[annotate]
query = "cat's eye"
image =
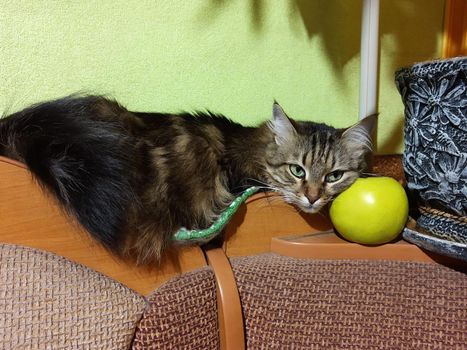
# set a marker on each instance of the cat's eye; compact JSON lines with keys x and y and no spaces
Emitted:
{"x":297,"y":171}
{"x":334,"y":176}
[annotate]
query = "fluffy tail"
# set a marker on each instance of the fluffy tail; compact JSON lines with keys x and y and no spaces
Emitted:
{"x":78,"y":148}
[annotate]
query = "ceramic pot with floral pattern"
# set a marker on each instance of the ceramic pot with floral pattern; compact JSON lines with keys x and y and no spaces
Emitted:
{"x":435,"y":139}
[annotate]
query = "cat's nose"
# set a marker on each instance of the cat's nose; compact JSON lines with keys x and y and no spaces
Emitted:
{"x":312,"y":194}
{"x":312,"y":200}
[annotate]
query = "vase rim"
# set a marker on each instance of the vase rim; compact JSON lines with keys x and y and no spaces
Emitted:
{"x":438,"y":65}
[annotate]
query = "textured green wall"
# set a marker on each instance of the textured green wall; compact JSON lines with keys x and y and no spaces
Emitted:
{"x":233,"y":57}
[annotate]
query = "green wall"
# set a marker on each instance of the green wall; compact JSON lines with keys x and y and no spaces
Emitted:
{"x":230,"y":56}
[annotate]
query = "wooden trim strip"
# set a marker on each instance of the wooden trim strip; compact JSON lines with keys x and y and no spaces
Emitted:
{"x":455,"y":29}
{"x":231,"y":328}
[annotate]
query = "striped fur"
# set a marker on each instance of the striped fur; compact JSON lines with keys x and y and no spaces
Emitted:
{"x":133,"y":179}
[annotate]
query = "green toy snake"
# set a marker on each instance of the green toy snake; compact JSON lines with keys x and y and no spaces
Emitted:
{"x":186,"y":235}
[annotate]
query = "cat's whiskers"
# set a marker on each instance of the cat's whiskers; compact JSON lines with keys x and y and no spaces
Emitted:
{"x":271,"y":201}
{"x":256,"y":181}
{"x":273,"y":197}
{"x":370,"y":174}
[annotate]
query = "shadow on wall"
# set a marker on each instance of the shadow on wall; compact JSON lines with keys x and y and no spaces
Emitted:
{"x":337,"y":22}
{"x":409,"y":32}
{"x":395,"y":138}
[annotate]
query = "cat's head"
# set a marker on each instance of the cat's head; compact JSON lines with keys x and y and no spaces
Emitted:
{"x":309,"y":164}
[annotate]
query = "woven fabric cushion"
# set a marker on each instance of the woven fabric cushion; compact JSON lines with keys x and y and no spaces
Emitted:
{"x":308,"y":304}
{"x":182,"y":314}
{"x":48,"y":302}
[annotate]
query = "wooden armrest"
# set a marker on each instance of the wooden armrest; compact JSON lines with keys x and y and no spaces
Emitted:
{"x":229,"y":308}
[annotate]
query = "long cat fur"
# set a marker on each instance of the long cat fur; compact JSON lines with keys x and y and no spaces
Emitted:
{"x":133,"y":179}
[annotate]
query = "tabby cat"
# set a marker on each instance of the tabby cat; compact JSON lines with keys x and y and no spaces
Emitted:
{"x":133,"y":179}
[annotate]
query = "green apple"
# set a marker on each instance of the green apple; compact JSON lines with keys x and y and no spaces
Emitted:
{"x":373,"y":210}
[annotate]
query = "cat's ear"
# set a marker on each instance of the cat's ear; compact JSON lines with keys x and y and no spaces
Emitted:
{"x":281,"y":125}
{"x":358,"y":136}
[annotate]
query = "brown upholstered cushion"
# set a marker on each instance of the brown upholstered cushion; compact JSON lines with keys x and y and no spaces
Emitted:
{"x":48,"y":302}
{"x":307,"y":304}
{"x":182,"y":314}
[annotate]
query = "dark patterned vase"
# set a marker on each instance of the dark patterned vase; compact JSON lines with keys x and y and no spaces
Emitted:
{"x":435,"y":139}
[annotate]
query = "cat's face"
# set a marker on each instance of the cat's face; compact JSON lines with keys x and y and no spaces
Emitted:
{"x":309,"y":164}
